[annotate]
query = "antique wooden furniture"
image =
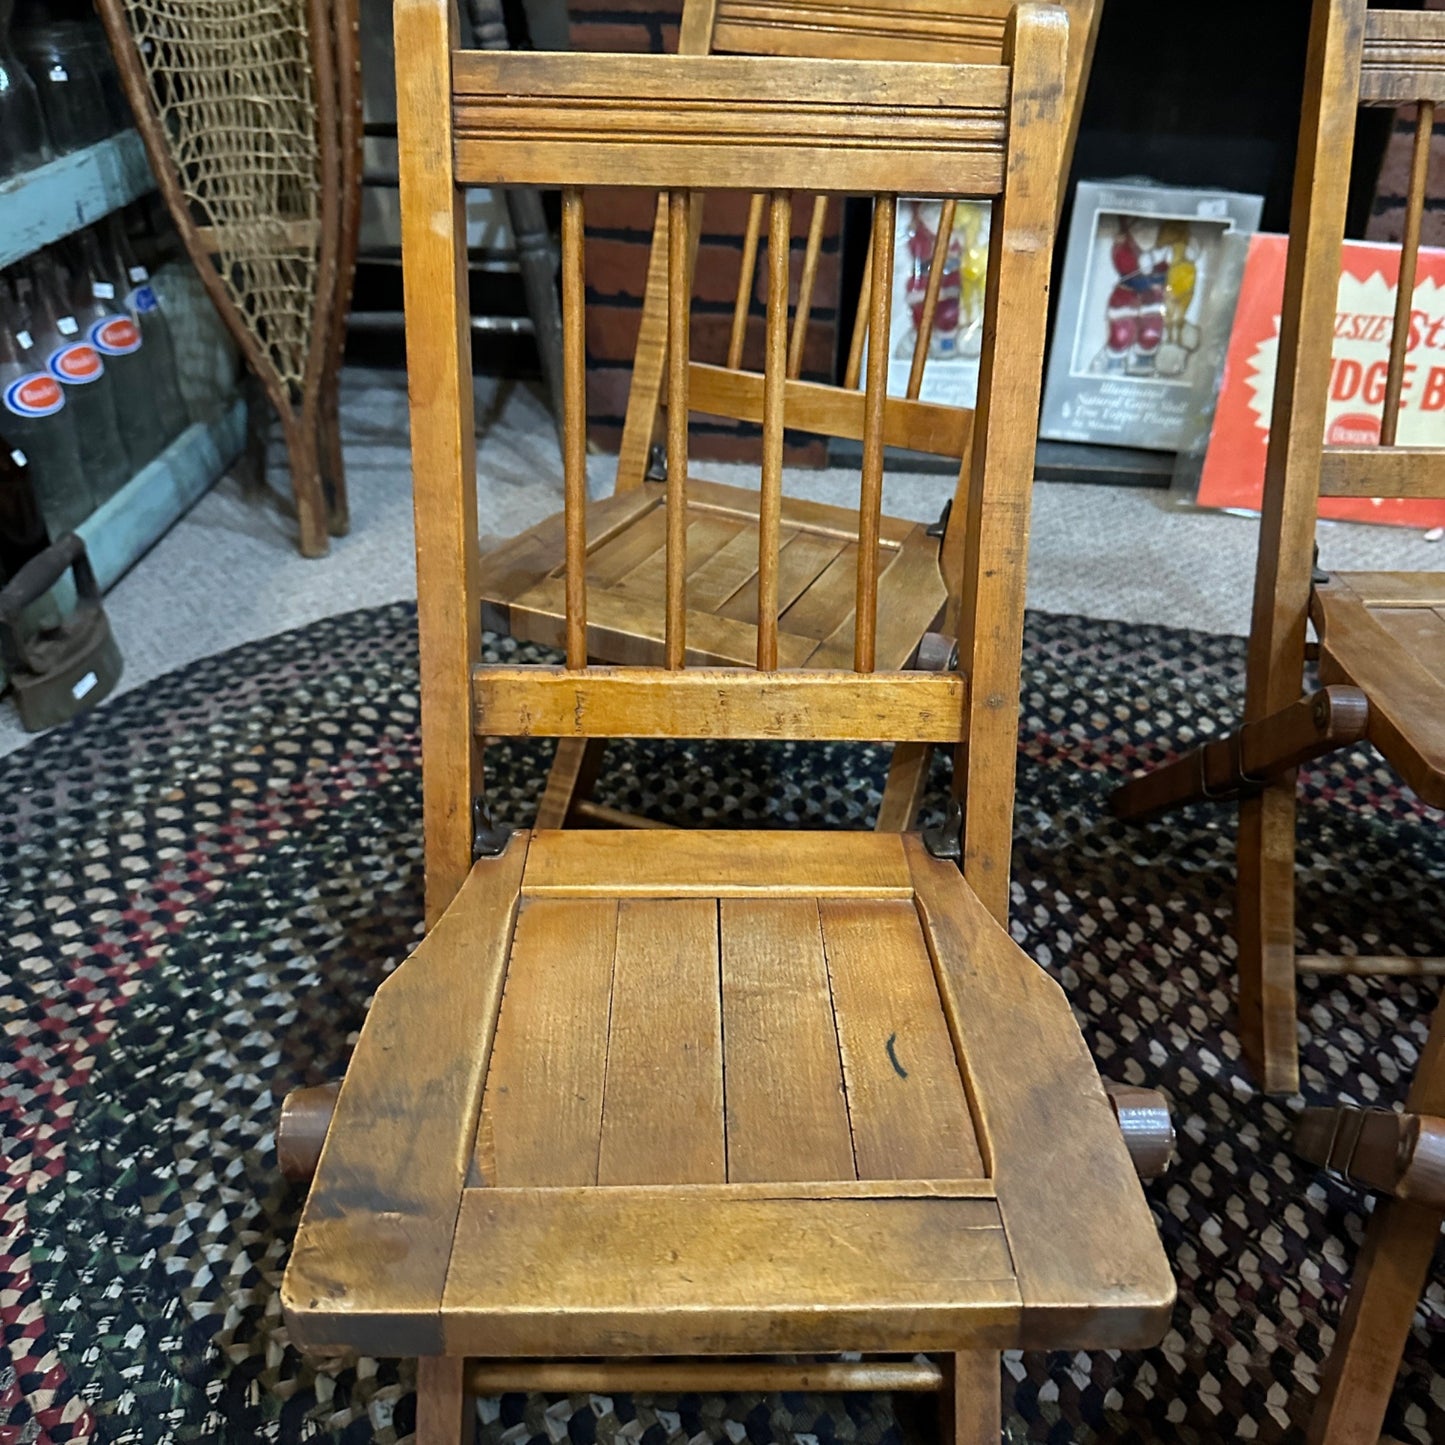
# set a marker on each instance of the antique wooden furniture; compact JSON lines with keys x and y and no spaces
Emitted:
{"x":1381,"y":635}
{"x":522,"y":580}
{"x":654,"y":1110}
{"x":251,"y":120}
{"x":1401,"y":1156}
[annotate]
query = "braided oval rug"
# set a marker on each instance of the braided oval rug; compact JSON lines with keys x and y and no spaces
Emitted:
{"x":204,"y":882}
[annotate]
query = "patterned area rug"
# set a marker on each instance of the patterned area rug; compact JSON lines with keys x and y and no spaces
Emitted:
{"x":203,"y":884}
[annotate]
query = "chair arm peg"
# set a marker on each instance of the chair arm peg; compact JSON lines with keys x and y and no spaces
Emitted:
{"x":937,"y":652}
{"x":1148,"y":1129}
{"x":301,"y":1130}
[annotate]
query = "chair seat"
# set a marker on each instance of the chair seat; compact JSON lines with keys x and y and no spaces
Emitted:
{"x":522,"y":581}
{"x":700,"y":1093}
{"x":1384,"y":632}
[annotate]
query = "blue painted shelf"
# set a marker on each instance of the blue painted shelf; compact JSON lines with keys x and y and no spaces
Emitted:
{"x":122,"y":530}
{"x":70,"y":193}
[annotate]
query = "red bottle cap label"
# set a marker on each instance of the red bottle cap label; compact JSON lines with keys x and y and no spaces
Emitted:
{"x":78,"y":364}
{"x":35,"y":394}
{"x":116,"y":336}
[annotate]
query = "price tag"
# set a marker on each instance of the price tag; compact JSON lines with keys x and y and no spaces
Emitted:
{"x":103,"y":291}
{"x":19,"y":458}
{"x":67,"y":326}
{"x":25,"y":339}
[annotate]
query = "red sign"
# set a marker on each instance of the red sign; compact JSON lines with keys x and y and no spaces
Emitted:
{"x":1233,"y":473}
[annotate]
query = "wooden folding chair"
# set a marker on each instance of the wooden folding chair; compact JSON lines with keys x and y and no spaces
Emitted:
{"x":655,"y":1110}
{"x":1381,"y":634}
{"x":521,"y":586}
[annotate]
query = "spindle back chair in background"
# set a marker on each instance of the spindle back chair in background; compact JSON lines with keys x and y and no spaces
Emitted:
{"x":522,"y":590}
{"x":715,"y":1095}
{"x":1381,"y":635}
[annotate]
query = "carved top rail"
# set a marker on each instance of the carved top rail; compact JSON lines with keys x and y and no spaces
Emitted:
{"x":1404,"y":57}
{"x":915,"y":30}
{"x":729,"y":122}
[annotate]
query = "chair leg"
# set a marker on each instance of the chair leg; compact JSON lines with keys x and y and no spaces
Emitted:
{"x":1389,"y":1276}
{"x":903,"y":792}
{"x":970,"y":1405}
{"x":574,"y":770}
{"x":1384,"y":1291}
{"x":445,"y":1413}
{"x":1266,"y":867}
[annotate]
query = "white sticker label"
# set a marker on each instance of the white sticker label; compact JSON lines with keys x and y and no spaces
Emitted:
{"x":139,"y":273}
{"x":103,"y":291}
{"x":19,"y":458}
{"x":67,"y":326}
{"x":85,"y":685}
{"x":25,"y":339}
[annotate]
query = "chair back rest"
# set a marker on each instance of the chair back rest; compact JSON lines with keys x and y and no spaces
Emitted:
{"x":1357,"y":57}
{"x":683,"y":125}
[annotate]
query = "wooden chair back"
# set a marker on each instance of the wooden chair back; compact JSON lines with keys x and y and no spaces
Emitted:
{"x":971,"y":32}
{"x":683,"y":125}
{"x":1358,"y":57}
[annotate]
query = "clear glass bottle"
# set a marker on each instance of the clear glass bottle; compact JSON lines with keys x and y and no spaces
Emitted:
{"x":77,"y":365}
{"x":59,"y":57}
{"x":135,"y":292}
{"x":111,"y":330}
{"x":24,"y":142}
{"x":36,"y":421}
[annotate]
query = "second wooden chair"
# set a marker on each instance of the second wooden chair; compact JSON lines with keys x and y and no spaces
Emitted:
{"x":814,"y":601}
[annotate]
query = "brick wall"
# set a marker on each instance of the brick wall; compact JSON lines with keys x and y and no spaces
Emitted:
{"x":619,"y":237}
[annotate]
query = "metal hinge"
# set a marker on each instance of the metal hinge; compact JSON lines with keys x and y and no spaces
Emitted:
{"x":656,"y":463}
{"x":938,"y":528}
{"x":945,"y":839}
{"x":488,"y":840}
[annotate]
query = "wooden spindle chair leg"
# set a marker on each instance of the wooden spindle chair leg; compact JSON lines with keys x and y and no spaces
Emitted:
{"x":808,"y":280}
{"x":1409,"y":263}
{"x":570,"y":780}
{"x":905,"y":786}
{"x":445,"y":1413}
{"x":870,"y":503}
{"x":930,"y":298}
{"x":971,"y":1405}
{"x":770,"y":502}
{"x":744,"y":298}
{"x":679,"y":288}
{"x":1266,"y":917}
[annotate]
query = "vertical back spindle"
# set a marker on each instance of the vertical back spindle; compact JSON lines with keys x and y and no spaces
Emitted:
{"x":860,"y":324}
{"x":805,"y":286}
{"x":678,"y":313}
{"x":574,"y":424}
{"x":870,"y":502}
{"x":745,"y":283}
{"x":930,"y":298}
{"x":770,"y":502}
{"x":1409,"y":261}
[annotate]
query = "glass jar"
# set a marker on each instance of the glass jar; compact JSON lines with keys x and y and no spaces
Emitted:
{"x":59,"y":57}
{"x":24,"y":143}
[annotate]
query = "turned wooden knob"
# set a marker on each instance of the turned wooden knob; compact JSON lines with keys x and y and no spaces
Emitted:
{"x":937,"y":652}
{"x":301,"y":1130}
{"x":1144,"y":1121}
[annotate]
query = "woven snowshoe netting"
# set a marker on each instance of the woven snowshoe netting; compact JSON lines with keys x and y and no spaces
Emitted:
{"x":233,"y":85}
